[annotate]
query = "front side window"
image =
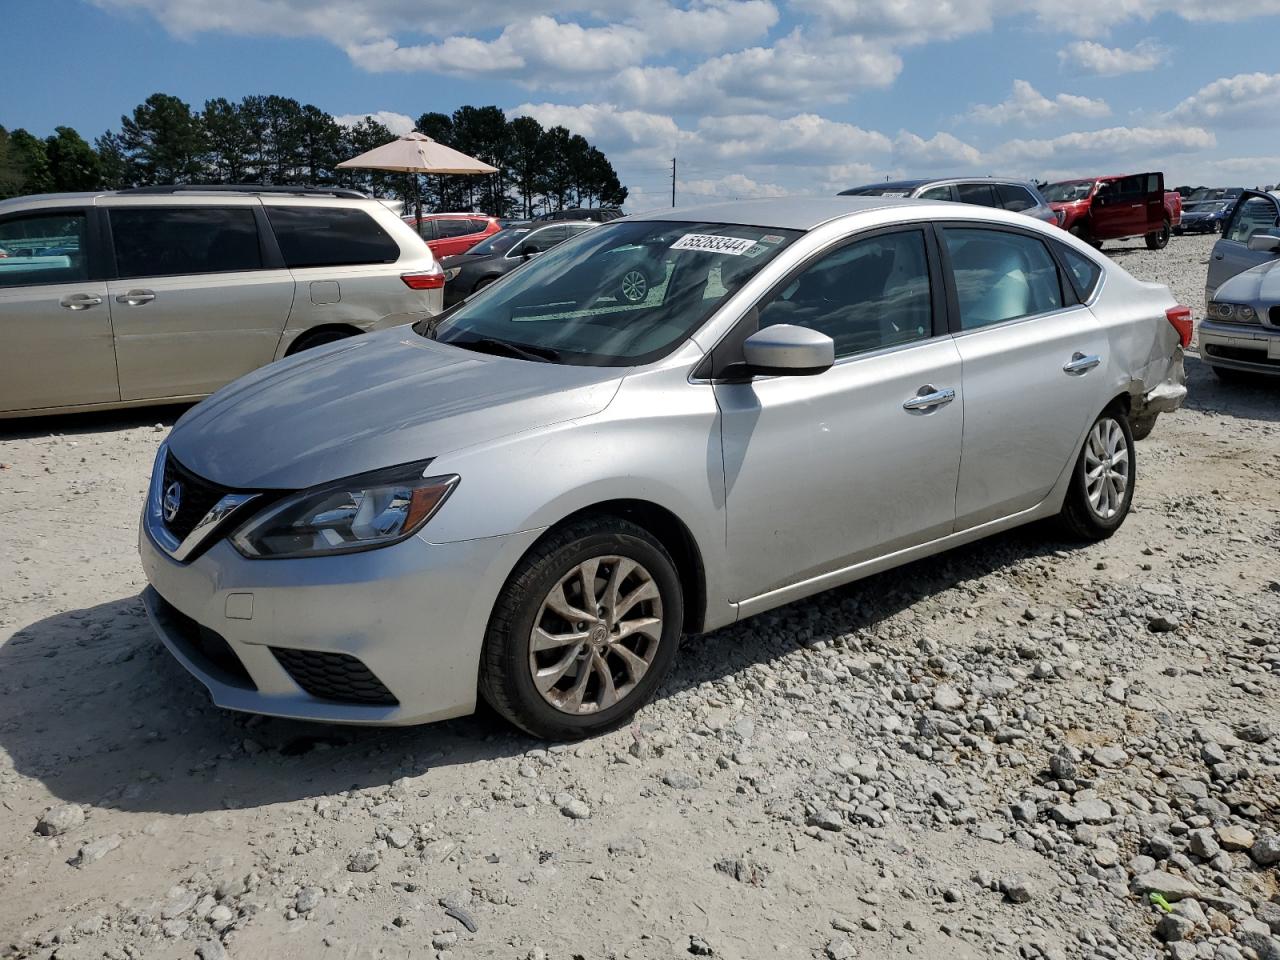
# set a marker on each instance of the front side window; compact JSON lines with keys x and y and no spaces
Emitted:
{"x":979,"y":193}
{"x":1001,"y":276}
{"x":314,"y":236}
{"x":867,"y":295}
{"x":500,"y":242}
{"x":1015,"y":198}
{"x":46,"y":248}
{"x":170,"y":241}
{"x":1068,"y":191}
{"x":541,"y":240}
{"x":1255,"y":215}
{"x":620,"y":294}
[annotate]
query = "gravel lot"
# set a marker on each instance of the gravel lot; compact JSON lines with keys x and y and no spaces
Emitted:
{"x":996,"y":752}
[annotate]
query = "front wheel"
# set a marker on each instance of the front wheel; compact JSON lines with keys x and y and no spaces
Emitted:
{"x":584,"y":631}
{"x":1160,"y":238}
{"x":1102,"y":485}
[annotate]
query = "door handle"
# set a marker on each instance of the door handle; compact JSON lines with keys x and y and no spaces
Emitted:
{"x":136,"y":298}
{"x":929,"y":397}
{"x":1218,"y":256}
{"x":1081,"y":363}
{"x":79,"y":301}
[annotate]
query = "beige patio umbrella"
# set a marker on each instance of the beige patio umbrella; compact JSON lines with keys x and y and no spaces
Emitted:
{"x":416,"y":153}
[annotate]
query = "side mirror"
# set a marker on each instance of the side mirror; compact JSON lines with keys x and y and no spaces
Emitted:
{"x":1265,"y":243}
{"x":786,"y":350}
{"x":529,"y":251}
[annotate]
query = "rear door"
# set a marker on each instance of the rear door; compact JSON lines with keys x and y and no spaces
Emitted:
{"x":198,"y":300}
{"x":455,"y":236}
{"x":55,"y":325}
{"x":1034,"y":361}
{"x":1255,"y":212}
{"x":981,"y":194}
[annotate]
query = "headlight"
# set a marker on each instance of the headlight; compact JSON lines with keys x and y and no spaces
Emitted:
{"x":1233,"y":312}
{"x":359,"y":513}
{"x":451,"y":273}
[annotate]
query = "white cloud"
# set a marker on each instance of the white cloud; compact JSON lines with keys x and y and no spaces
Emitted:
{"x":1247,"y":99}
{"x":940,"y":151}
{"x":905,"y":21}
{"x":1096,"y":148}
{"x":734,"y":186}
{"x":1092,"y":57}
{"x":397,"y":123}
{"x":1027,"y":105}
{"x":607,"y":126}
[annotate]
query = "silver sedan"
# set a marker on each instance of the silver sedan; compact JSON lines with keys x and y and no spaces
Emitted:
{"x":533,"y":496}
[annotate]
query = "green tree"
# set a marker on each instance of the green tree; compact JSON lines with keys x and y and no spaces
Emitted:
{"x":528,"y":155}
{"x":32,"y":161}
{"x":113,"y":165}
{"x":164,"y":141}
{"x":320,"y":145}
{"x":228,"y":140}
{"x":73,"y":164}
{"x":11,"y":175}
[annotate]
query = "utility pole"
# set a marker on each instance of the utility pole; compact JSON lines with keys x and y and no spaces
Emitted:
{"x":673,"y":181}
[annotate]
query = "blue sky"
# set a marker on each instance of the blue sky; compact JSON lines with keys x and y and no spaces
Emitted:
{"x":755,"y":97}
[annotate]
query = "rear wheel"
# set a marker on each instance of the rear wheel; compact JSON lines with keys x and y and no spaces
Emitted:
{"x":319,"y":338}
{"x":584,"y":631}
{"x":1102,"y":486}
{"x":482,"y":283}
{"x":1160,"y":238}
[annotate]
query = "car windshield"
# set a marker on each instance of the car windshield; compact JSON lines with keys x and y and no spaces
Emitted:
{"x":1203,"y":206}
{"x":500,"y":242}
{"x":621,"y":294}
{"x":1067,"y":191}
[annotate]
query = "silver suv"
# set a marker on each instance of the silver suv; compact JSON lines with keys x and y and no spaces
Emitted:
{"x":165,"y":294}
{"x":1018,"y":196}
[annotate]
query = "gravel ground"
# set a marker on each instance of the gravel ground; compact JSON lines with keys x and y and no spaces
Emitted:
{"x":997,"y":752}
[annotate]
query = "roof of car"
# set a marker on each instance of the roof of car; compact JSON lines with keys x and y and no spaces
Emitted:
{"x":785,"y":213}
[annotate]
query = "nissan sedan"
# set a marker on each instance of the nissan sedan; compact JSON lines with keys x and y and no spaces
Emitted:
{"x":533,"y":496}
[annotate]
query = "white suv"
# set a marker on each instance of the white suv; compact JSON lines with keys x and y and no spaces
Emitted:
{"x":165,"y":294}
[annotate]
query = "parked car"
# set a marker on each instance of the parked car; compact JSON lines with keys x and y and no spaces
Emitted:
{"x":501,"y":253}
{"x":1020,"y":196}
{"x":1204,"y":216}
{"x":1241,"y":329}
{"x":1117,"y":208}
{"x":165,"y":294}
{"x":1255,"y":213}
{"x":448,"y":234}
{"x":595,"y":214}
{"x":533,"y":497}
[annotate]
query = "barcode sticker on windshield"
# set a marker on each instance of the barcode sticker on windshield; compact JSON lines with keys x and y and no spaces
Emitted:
{"x":709,"y":243}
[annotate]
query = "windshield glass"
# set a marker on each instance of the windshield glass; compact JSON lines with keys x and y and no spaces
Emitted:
{"x":1204,"y":206}
{"x":500,"y":242}
{"x":621,"y":294}
{"x":1068,"y":191}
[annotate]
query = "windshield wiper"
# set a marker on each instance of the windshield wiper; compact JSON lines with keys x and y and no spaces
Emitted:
{"x":504,"y":348}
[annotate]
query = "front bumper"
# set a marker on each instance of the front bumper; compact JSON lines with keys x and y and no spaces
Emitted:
{"x":1251,"y":347}
{"x":412,"y":615}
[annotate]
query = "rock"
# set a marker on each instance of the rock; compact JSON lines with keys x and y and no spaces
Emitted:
{"x":1260,"y":731}
{"x":576,"y":809}
{"x":1269,"y":913}
{"x":947,"y":697}
{"x":839,"y":948}
{"x":1171,"y":928}
{"x":211,"y":950}
{"x":1017,"y":888}
{"x":308,"y":899}
{"x":1171,"y":886}
{"x":179,"y":904}
{"x":58,"y":820}
{"x":1063,"y":764}
{"x":1163,"y":624}
{"x":399,"y":837}
{"x":363,"y":861}
{"x":1110,"y":758}
{"x":1095,"y":811}
{"x":679,"y":780}
{"x":1266,"y":850}
{"x":699,"y":947}
{"x":445,"y":940}
{"x":826,"y":819}
{"x":92,"y":852}
{"x":1235,"y":837}
{"x":1204,"y":844}
{"x":1255,"y":935}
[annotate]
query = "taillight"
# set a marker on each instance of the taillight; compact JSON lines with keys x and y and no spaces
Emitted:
{"x":1180,"y":317}
{"x":427,"y":280}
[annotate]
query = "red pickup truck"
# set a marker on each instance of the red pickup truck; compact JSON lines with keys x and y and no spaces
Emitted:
{"x":1115,"y":208}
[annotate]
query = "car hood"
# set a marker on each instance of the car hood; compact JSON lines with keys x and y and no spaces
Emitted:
{"x":1257,"y":286}
{"x":375,"y":401}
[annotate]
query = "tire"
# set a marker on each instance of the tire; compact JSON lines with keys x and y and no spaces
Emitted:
{"x":1141,"y":427}
{"x":482,"y":283}
{"x":1160,"y":239}
{"x":318,"y":339}
{"x":507,"y":662}
{"x":1083,"y":233}
{"x":1093,"y":518}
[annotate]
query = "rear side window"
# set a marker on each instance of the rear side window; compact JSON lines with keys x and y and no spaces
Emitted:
{"x":330,"y":236}
{"x":936,"y":193}
{"x":167,"y":241}
{"x":49,"y":248}
{"x":426,"y":229}
{"x":454,"y":228}
{"x":1085,"y":273}
{"x":1015,"y":198}
{"x":1001,"y":276}
{"x":979,"y":193}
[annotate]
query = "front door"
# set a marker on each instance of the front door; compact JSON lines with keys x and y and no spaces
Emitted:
{"x":1254,"y":213}
{"x":1035,"y":370}
{"x":823,"y":472}
{"x":195,"y":306}
{"x":1119,"y":208}
{"x":55,"y":325}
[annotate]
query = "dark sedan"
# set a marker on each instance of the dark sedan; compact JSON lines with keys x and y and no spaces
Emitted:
{"x":501,"y":253}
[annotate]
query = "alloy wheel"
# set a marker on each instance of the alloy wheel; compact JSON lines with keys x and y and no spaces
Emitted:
{"x":635,"y":286}
{"x":1106,"y":468}
{"x":595,"y":635}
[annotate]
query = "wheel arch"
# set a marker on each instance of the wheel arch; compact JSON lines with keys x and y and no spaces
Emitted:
{"x":299,"y":342}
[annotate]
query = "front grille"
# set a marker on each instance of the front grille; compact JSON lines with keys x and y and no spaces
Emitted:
{"x":197,"y":498}
{"x":206,"y":647}
{"x":334,"y":676}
